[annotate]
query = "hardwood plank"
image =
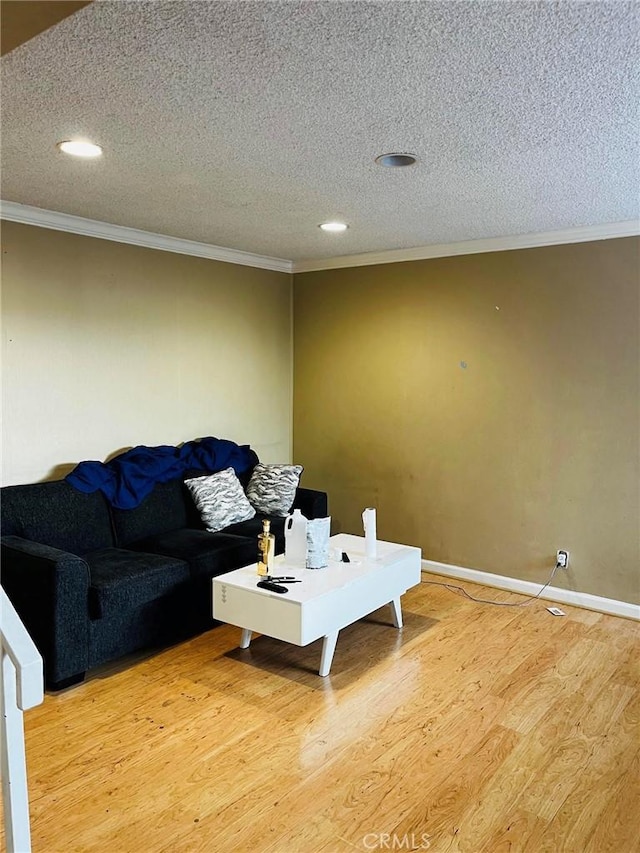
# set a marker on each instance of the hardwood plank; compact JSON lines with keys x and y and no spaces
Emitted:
{"x":573,"y":670}
{"x":615,"y":831}
{"x":611,"y":770}
{"x":521,"y":831}
{"x":576,"y":730}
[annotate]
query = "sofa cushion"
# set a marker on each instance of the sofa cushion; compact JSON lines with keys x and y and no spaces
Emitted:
{"x":220,"y":499}
{"x":124,"y":580}
{"x":164,"y":509}
{"x":272,"y":488}
{"x":208,"y":554}
{"x":57,"y":515}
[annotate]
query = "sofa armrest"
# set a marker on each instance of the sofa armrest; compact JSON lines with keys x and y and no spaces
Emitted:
{"x":311,"y":503}
{"x":49,"y":589}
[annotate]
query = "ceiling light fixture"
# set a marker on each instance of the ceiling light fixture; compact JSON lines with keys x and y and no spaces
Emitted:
{"x":334,"y":227}
{"x":80,"y":148}
{"x":396,"y":160}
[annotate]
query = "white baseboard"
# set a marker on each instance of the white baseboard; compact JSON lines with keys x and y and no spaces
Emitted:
{"x":552,"y":593}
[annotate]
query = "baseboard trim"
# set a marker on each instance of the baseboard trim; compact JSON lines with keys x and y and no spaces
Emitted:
{"x":552,"y":593}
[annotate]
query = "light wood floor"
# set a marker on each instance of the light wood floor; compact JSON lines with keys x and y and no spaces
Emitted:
{"x":474,"y":729}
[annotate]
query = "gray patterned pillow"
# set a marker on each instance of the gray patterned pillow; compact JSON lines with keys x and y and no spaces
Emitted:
{"x":272,"y":488}
{"x":220,"y":499}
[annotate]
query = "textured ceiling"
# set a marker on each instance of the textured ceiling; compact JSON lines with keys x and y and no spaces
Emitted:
{"x":245,"y":124}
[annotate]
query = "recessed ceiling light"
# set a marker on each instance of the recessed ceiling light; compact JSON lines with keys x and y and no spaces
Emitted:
{"x":396,"y":160}
{"x":79,"y":148}
{"x":334,"y":227}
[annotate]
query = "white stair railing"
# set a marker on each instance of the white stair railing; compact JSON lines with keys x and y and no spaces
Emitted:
{"x":22,"y":688}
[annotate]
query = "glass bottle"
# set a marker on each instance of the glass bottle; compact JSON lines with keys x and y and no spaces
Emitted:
{"x":266,"y":549}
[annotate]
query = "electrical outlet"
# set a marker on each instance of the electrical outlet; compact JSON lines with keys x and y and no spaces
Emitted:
{"x":562,"y":559}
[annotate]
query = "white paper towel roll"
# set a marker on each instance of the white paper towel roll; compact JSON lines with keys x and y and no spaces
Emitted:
{"x":369,"y":523}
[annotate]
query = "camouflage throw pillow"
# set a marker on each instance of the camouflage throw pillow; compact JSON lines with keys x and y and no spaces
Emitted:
{"x":220,"y":499}
{"x":272,"y":488}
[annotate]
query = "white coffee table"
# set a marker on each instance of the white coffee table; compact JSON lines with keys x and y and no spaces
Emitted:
{"x":327,"y":599}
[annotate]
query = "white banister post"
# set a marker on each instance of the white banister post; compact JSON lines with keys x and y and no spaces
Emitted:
{"x":15,"y":797}
{"x":21,"y":688}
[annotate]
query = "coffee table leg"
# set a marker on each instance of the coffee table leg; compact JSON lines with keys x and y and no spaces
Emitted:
{"x":245,"y":639}
{"x":328,"y":648}
{"x":396,"y":612}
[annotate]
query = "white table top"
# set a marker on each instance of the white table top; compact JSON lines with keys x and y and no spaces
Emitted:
{"x":317,"y":582}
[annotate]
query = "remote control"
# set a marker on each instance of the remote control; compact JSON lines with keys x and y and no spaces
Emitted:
{"x":274,"y":587}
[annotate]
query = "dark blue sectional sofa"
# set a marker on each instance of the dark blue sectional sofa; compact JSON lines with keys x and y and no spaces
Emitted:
{"x":92,"y":583}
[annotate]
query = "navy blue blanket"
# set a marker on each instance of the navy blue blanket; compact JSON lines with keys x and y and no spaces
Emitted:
{"x":127,"y":479}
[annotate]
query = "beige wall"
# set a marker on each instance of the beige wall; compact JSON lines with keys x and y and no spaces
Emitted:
{"x":106,"y":346}
{"x":530,"y":447}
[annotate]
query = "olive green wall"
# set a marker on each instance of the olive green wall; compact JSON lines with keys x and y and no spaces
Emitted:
{"x":107,"y":345}
{"x":487,"y":405}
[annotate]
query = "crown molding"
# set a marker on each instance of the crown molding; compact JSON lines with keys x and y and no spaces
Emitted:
{"x":583,"y":234}
{"x":42,"y":218}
